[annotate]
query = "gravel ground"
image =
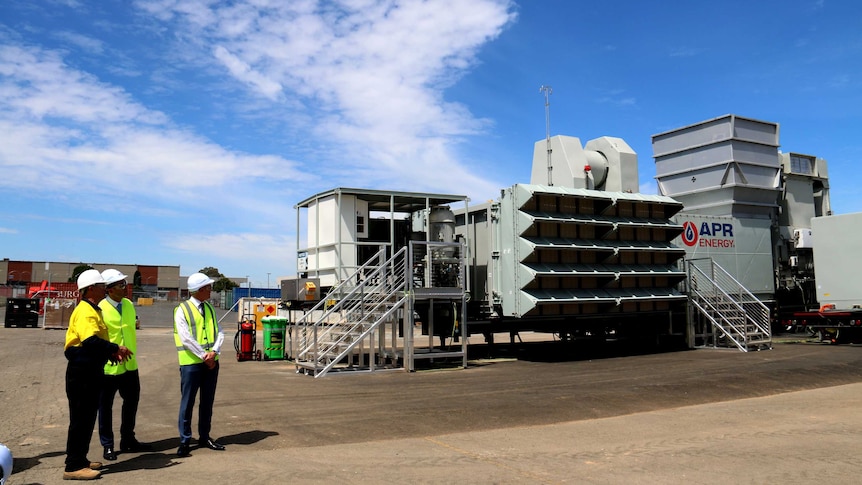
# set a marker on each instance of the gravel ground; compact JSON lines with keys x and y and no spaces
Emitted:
{"x":789,"y":415}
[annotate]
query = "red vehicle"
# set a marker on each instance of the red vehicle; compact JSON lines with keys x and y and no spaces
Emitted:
{"x":836,"y":326}
{"x":45,"y":292}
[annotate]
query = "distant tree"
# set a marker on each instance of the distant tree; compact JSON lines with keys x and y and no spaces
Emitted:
{"x":222,"y":283}
{"x":211,"y":272}
{"x":78,"y":270}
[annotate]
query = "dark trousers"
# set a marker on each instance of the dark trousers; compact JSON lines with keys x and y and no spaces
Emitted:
{"x":128,"y":384}
{"x":193,"y":378}
{"x":83,"y":387}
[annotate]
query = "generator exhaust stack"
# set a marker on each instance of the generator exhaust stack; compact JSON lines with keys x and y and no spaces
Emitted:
{"x":547,"y":91}
{"x":606,"y":163}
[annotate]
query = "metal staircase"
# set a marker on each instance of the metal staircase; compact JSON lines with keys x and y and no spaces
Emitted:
{"x":724,"y":312}
{"x":347,"y":329}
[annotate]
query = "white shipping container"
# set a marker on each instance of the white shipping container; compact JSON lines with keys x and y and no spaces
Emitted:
{"x":837,"y":260}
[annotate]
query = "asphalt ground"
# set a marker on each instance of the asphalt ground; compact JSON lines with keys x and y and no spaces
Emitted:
{"x":788,"y":415}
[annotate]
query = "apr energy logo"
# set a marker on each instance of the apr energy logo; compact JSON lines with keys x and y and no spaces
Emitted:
{"x":689,"y":234}
{"x":710,"y":235}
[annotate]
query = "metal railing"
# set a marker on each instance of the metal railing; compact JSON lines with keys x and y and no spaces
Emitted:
{"x":351,"y":314}
{"x":437,"y":275}
{"x":732,"y":310}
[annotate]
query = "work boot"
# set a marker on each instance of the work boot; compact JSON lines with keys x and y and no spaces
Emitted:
{"x":95,"y":465}
{"x":82,"y":474}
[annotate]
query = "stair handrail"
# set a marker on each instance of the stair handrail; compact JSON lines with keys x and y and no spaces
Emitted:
{"x":384,"y":295}
{"x":310,"y":318}
{"x":756,"y":312}
{"x":348,"y":302}
{"x":343,"y":283}
{"x":708,"y":299}
{"x":761,"y":310}
{"x":322,"y":366}
{"x":722,"y":328}
{"x":349,"y":298}
{"x":722,"y":283}
{"x":719,"y":292}
{"x":321,"y":371}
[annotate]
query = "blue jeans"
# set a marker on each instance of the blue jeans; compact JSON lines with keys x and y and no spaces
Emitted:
{"x":193,"y":378}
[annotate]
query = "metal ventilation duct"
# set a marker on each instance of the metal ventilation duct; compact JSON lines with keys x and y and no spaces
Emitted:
{"x":567,"y":251}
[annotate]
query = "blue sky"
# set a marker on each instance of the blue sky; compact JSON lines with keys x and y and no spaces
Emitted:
{"x":182,"y":132}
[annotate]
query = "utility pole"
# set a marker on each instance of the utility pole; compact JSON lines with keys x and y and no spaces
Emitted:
{"x":547,"y":91}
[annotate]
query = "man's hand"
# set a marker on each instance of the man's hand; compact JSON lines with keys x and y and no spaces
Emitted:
{"x":122,"y":355}
{"x":209,"y":360}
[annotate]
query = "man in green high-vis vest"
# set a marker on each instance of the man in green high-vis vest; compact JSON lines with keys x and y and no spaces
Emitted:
{"x":118,"y":312}
{"x":198,"y":339}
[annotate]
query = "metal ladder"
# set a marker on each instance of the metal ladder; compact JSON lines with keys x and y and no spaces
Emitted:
{"x":725,"y":313}
{"x":347,"y":329}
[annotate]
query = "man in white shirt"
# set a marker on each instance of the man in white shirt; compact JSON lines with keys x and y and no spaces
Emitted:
{"x":198,"y":339}
{"x":119,"y":316}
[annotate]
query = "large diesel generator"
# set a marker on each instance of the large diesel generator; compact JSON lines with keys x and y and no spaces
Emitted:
{"x":577,"y":252}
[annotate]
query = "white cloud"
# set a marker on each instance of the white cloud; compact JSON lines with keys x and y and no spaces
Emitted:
{"x":84,"y":42}
{"x":37,"y":85}
{"x":355,"y":90}
{"x":684,"y":51}
{"x":232,"y":246}
{"x":245,"y":73}
{"x":649,"y":188}
{"x":371,"y":72}
{"x":615,"y":97}
{"x":64,"y":129}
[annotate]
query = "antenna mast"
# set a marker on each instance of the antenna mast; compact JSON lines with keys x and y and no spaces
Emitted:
{"x":547,"y":91}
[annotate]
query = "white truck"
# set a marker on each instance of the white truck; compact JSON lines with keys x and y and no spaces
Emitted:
{"x":838,"y":276}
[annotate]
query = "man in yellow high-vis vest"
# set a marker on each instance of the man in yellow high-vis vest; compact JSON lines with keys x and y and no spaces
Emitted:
{"x":198,"y":339}
{"x":118,"y":312}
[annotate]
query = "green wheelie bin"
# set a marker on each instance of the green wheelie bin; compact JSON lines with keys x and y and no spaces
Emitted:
{"x":273,"y":337}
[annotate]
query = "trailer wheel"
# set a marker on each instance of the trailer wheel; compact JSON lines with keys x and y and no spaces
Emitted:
{"x":839,"y":337}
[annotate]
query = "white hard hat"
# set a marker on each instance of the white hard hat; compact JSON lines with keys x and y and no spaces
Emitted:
{"x":112,"y":276}
{"x":89,"y":278}
{"x":198,"y":281}
{"x":5,"y":464}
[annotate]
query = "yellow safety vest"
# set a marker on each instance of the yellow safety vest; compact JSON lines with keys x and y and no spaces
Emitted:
{"x":203,"y":331}
{"x":121,"y":331}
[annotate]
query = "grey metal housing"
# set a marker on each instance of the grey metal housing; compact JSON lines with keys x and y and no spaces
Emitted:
{"x":554,"y":252}
{"x":722,"y":166}
{"x":730,"y":167}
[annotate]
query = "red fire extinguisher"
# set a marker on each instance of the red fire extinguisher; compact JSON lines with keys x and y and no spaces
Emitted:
{"x":245,"y":341}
